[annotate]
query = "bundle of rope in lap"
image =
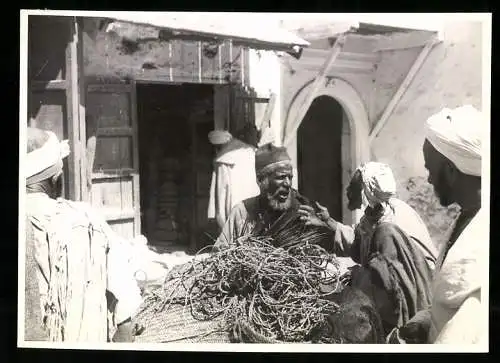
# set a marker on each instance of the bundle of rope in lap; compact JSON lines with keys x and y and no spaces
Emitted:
{"x":275,"y":292}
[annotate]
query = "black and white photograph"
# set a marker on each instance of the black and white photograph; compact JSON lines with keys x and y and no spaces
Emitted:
{"x":274,"y":182}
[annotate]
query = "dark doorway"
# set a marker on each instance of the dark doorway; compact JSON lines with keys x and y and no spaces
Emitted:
{"x":319,"y":156}
{"x":175,"y":162}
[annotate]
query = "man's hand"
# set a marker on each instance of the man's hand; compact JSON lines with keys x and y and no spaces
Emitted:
{"x":309,"y":217}
{"x":322,"y":212}
{"x":416,"y":331}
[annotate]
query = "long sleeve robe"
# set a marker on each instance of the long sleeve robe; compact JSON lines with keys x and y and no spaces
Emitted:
{"x":233,"y":180}
{"x":456,"y":304}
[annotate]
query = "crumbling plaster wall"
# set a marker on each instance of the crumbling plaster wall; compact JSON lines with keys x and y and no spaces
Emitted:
{"x":450,"y":76}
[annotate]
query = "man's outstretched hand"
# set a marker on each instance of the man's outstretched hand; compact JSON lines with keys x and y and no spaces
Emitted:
{"x":314,"y":217}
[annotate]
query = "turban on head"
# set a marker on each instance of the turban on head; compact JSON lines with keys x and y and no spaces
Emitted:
{"x":379,"y":184}
{"x":457,"y":134}
{"x":219,"y":137}
{"x":269,"y":156}
{"x":45,"y":161}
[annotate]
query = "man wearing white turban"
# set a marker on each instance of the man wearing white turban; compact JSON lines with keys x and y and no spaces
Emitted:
{"x":452,"y":154}
{"x":233,"y":177}
{"x":76,"y":277}
{"x":391,"y":243}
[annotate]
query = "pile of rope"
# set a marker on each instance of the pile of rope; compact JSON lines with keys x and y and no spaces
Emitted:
{"x":263,"y":293}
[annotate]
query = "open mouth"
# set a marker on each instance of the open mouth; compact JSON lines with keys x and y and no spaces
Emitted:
{"x":282,"y":195}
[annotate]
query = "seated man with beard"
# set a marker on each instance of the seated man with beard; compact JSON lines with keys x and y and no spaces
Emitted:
{"x":276,"y":203}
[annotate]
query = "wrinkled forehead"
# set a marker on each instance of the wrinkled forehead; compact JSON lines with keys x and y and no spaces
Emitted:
{"x":281,"y":169}
{"x":284,"y":169}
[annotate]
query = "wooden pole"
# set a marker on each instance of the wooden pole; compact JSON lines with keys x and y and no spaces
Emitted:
{"x":76,"y":110}
{"x":317,"y":84}
{"x":402,"y":88}
{"x":268,"y":113}
{"x":82,"y":92}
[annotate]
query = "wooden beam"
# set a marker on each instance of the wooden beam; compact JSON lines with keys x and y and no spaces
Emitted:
{"x":254,"y":99}
{"x":72,"y":99}
{"x":135,"y":145}
{"x":112,"y":174}
{"x":59,"y":84}
{"x":339,"y":68}
{"x":75,"y":110}
{"x":115,"y":131}
{"x":80,"y":104}
{"x":402,"y":89}
{"x":108,"y":87}
{"x":266,"y":118}
{"x":316,"y":85}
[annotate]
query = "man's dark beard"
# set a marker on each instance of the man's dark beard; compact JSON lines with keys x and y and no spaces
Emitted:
{"x":442,"y":190}
{"x":275,"y":205}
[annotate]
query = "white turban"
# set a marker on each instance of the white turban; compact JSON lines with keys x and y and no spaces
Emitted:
{"x":379,"y":184}
{"x":219,"y":137}
{"x":46,"y":158}
{"x":457,"y":133}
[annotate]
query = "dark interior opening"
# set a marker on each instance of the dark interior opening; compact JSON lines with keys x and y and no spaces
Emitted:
{"x":319,"y":157}
{"x":175,"y":159}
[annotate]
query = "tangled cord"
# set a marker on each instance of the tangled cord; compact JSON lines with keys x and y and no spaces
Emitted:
{"x":275,"y":292}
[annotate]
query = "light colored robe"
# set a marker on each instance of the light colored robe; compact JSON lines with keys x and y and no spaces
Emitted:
{"x":457,"y":288}
{"x":233,"y":179}
{"x":90,"y":324}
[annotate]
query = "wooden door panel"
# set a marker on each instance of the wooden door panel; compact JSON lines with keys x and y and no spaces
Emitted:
{"x":113,"y":192}
{"x":115,"y":171}
{"x":113,"y":152}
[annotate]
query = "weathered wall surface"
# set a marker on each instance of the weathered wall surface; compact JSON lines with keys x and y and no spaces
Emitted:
{"x":296,"y":73}
{"x":451,"y":76}
{"x":108,"y":56}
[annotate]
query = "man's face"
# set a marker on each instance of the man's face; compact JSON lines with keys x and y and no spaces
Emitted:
{"x":354,"y":189}
{"x":436,"y":165}
{"x":277,"y":187}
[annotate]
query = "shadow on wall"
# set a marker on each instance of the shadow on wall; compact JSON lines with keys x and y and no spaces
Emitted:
{"x":437,"y":218}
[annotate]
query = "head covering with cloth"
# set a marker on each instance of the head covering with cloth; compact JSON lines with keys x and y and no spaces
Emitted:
{"x":456,"y":134}
{"x":219,"y":137}
{"x":72,"y":258}
{"x":46,"y":161}
{"x":379,"y":184}
{"x":379,"y":187}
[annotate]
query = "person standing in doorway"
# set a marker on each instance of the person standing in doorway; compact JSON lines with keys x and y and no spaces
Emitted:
{"x":233,"y":178}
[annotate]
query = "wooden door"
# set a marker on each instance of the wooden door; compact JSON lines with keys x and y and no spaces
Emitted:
{"x":112,"y":120}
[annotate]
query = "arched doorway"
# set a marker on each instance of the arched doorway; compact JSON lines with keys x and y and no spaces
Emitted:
{"x":355,"y":131}
{"x":319,"y":154}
